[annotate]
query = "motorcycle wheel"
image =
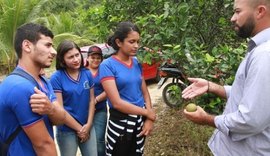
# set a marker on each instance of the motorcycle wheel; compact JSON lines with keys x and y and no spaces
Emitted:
{"x":171,"y":94}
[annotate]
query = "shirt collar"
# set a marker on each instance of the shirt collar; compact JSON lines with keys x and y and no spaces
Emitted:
{"x":262,"y":36}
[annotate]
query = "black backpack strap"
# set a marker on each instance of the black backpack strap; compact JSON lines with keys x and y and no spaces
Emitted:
{"x":13,"y":135}
{"x":22,"y":73}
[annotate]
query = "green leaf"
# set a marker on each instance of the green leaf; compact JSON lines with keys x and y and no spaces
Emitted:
{"x":209,"y":58}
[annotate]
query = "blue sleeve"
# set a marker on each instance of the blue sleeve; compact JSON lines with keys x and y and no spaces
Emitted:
{"x":20,"y":105}
{"x":106,"y":70}
{"x":56,"y":81}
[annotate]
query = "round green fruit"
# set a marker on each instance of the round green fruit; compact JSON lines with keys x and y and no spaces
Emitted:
{"x":191,"y":107}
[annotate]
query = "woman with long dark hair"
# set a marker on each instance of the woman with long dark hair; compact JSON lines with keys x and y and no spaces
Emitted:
{"x":131,"y":114}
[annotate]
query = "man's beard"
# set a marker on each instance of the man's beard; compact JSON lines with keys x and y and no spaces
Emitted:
{"x":246,"y":30}
{"x":44,"y":65}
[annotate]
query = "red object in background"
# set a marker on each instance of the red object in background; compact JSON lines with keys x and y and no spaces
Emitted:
{"x":149,"y":71}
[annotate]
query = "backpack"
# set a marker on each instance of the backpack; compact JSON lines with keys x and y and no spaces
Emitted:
{"x":4,"y":146}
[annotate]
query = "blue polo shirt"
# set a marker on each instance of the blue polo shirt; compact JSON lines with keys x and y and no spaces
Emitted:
{"x":101,"y":105}
{"x":15,"y":110}
{"x":128,"y":79}
{"x":75,"y":93}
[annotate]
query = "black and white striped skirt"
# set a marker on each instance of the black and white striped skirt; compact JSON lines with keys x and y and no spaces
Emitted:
{"x":121,"y":124}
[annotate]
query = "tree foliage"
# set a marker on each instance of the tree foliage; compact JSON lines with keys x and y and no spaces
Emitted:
{"x":195,"y":34}
{"x":13,"y":14}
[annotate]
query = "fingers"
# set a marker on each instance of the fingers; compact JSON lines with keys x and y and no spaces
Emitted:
{"x":84,"y":129}
{"x":85,"y":138}
{"x":188,"y":93}
{"x":37,"y":91}
{"x":191,"y":79}
{"x":147,"y":128}
{"x":42,"y":108}
{"x":144,"y":132}
{"x":195,"y":89}
{"x":38,"y":94}
{"x":189,"y":88}
{"x":151,"y":114}
{"x":36,"y":108}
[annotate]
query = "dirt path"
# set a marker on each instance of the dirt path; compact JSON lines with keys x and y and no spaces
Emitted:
{"x":155,"y":93}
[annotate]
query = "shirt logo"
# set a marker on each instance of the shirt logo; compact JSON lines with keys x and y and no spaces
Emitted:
{"x":86,"y":85}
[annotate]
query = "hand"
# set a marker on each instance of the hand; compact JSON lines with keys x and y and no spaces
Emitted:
{"x":198,"y":116}
{"x":84,"y":133}
{"x":40,"y":103}
{"x":148,"y":127}
{"x":198,"y":87}
{"x":151,"y":115}
{"x":83,"y":137}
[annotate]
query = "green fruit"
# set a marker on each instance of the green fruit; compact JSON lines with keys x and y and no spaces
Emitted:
{"x":191,"y":107}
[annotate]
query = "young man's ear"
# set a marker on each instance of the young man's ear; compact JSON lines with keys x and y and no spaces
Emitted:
{"x":26,"y":46}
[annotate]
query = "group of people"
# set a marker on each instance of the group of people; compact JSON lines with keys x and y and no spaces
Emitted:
{"x":76,"y":97}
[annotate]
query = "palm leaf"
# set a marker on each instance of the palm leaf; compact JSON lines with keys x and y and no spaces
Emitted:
{"x":14,"y":14}
{"x":69,"y":36}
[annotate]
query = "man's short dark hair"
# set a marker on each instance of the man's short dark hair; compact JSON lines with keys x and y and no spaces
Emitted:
{"x":30,"y":32}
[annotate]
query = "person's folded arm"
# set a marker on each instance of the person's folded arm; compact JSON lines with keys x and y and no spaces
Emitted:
{"x":123,"y":106}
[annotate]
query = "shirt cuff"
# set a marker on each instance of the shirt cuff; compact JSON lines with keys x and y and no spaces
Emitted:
{"x":220,"y":124}
{"x":227,"y":90}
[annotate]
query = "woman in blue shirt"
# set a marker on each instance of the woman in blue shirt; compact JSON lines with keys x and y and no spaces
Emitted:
{"x":100,"y":118}
{"x":73,"y":86}
{"x":131,"y":114}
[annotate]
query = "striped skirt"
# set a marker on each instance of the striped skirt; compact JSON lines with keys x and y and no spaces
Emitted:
{"x":121,"y":124}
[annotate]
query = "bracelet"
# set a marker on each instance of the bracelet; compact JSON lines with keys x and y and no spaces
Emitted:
{"x":208,"y":86}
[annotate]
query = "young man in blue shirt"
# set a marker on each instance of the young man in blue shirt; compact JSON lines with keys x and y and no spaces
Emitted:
{"x":22,"y":104}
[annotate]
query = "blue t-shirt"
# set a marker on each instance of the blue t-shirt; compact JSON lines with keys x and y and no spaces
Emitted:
{"x":75,"y":93}
{"x":15,"y":110}
{"x":101,"y":105}
{"x":128,"y":79}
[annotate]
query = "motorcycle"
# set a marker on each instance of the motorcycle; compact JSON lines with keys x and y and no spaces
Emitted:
{"x":171,"y":93}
